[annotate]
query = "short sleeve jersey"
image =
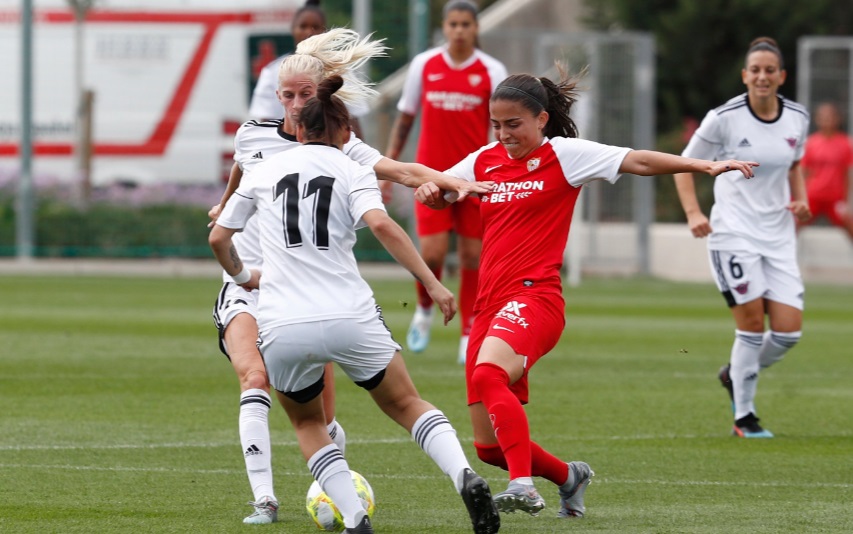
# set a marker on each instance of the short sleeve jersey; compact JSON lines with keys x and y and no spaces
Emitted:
{"x":258,"y":141}
{"x":752,"y":214}
{"x":527,"y":215}
{"x":309,"y":201}
{"x":453,"y":101}
{"x":828,"y":160}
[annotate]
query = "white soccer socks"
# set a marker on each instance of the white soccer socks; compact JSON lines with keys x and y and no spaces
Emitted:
{"x":255,"y":439}
{"x":775,"y":345}
{"x":744,"y":370}
{"x":437,"y":437}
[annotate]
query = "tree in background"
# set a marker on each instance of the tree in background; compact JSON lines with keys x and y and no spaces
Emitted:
{"x":390,"y":20}
{"x":700,"y":53}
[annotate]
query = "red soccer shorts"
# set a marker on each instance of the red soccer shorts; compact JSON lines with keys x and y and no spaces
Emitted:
{"x":834,"y":209}
{"x":461,"y":217}
{"x":531,"y":324}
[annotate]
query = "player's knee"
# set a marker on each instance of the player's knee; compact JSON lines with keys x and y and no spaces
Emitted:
{"x":488,"y":375}
{"x":752,"y":323}
{"x":785,"y":340}
{"x":491,"y":454}
{"x":469,"y":260}
{"x":255,"y":379}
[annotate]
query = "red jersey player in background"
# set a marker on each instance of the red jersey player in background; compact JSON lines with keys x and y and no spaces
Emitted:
{"x":538,"y":167}
{"x":451,"y":86}
{"x":827,"y":162}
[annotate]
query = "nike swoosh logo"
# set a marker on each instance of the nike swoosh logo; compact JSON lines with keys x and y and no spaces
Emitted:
{"x":499,"y":327}
{"x":493,"y":167}
{"x":434,"y":77}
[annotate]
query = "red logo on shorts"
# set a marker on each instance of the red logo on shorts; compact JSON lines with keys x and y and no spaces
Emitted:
{"x":743,"y":288}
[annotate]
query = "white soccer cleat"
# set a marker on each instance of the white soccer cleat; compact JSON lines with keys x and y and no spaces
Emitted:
{"x":518,"y":497}
{"x":571,"y":496}
{"x":417,"y":338}
{"x":266,"y":512}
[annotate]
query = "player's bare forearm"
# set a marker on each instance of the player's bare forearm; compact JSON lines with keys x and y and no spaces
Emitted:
{"x":224,"y":250}
{"x":799,"y":204}
{"x":415,"y":175}
{"x":234,"y":178}
{"x":652,"y":163}
{"x":399,"y":135}
{"x":398,"y":243}
{"x":685,"y":185}
{"x":798,"y":183}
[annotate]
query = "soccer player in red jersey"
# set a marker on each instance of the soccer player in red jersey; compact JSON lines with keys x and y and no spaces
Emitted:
{"x":538,"y":166}
{"x":450,"y":85}
{"x":827,"y":162}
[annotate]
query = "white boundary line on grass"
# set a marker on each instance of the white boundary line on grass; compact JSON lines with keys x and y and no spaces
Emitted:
{"x":294,"y":443}
{"x":600,"y":480}
{"x":181,"y":445}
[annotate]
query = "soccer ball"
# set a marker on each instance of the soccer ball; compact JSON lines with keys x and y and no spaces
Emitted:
{"x":323,"y":511}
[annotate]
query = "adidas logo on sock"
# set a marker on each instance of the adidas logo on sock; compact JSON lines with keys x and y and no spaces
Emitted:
{"x":253,"y":450}
{"x":744,"y":142}
{"x":259,"y":155}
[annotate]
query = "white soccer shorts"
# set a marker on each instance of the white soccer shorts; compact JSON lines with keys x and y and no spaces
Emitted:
{"x":232,"y":300}
{"x":745,"y":276}
{"x":296,"y":354}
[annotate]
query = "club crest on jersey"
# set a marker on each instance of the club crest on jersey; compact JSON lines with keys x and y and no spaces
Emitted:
{"x":474,"y":79}
{"x":533,"y":164}
{"x":512,"y":313}
{"x":792,"y":141}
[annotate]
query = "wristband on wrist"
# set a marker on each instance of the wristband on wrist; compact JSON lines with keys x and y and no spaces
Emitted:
{"x":243,"y":276}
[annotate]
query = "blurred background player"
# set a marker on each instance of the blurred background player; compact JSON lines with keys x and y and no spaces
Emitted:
{"x":538,"y":166}
{"x":752,"y":240}
{"x":450,"y":85}
{"x":309,"y":202}
{"x":826,"y":163}
{"x":309,"y":20}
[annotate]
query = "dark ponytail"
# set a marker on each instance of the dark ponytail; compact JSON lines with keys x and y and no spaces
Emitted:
{"x":538,"y":94}
{"x":325,"y":115}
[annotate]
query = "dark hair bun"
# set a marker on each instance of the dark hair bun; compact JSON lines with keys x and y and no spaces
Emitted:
{"x":328,"y":87}
{"x":315,"y":3}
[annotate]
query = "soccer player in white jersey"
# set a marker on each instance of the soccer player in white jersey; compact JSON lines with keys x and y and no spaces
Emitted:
{"x":538,"y":167}
{"x":309,"y":202}
{"x":751,"y":233}
{"x":235,"y":311}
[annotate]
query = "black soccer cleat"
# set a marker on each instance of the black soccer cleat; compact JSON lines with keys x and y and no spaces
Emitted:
{"x":726,"y":380}
{"x":364,"y":527}
{"x":478,"y":500}
{"x":748,"y":427}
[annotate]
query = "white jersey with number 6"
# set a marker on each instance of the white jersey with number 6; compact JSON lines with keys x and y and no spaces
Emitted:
{"x":752,"y":214}
{"x":309,"y":201}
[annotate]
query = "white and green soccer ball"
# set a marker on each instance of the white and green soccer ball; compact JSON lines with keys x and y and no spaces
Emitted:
{"x":323,"y":511}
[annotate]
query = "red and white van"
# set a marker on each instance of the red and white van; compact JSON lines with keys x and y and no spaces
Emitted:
{"x":171,"y":81}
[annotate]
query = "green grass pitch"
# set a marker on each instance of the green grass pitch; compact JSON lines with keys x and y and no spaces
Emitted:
{"x":120,"y":415}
